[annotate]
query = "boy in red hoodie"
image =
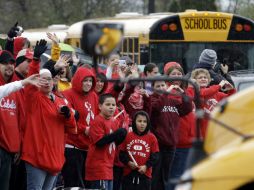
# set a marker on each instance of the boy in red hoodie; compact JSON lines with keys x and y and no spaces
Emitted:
{"x":139,"y":152}
{"x":105,"y":134}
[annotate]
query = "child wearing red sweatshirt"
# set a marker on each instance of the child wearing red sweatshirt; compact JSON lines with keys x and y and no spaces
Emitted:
{"x":105,"y":134}
{"x":139,"y":152}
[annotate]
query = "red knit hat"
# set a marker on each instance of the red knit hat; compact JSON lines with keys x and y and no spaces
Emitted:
{"x":170,"y":65}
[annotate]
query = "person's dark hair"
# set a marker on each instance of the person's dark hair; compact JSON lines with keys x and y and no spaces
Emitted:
{"x":149,"y":68}
{"x":101,"y":76}
{"x":134,"y":127}
{"x":103,"y":97}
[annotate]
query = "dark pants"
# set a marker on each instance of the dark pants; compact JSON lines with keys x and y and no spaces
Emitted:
{"x":74,"y":168}
{"x":118,"y":176}
{"x":18,"y":176}
{"x":136,"y":181}
{"x":5,"y":169}
{"x":179,"y":164}
{"x":100,"y":185}
{"x":161,"y":172}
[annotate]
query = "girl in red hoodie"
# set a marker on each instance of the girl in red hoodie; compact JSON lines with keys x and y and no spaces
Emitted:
{"x":139,"y":152}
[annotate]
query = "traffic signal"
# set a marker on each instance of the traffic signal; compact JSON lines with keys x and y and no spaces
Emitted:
{"x":100,"y":39}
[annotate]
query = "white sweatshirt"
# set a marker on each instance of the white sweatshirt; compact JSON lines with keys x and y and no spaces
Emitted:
{"x":7,"y":89}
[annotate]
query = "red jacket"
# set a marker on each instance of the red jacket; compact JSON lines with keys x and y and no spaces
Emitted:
{"x":210,"y":97}
{"x":10,"y":137}
{"x":44,"y":139}
{"x":141,"y":148}
{"x":85,"y":104}
{"x":99,"y":161}
{"x":186,"y":130}
{"x":187,"y":126}
{"x":21,"y":100}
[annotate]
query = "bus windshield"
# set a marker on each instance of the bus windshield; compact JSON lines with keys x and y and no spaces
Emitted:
{"x":237,"y":56}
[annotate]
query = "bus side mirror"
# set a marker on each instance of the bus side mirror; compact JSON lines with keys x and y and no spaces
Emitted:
{"x":100,"y":39}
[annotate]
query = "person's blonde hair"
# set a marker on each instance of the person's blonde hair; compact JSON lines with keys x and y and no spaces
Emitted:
{"x":197,"y":72}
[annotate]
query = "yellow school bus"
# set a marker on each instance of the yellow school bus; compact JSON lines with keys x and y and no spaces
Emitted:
{"x":182,"y":36}
{"x":136,"y":30}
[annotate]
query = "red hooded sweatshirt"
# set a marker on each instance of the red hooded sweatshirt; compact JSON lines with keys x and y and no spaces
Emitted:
{"x":44,"y":139}
{"x":85,"y":104}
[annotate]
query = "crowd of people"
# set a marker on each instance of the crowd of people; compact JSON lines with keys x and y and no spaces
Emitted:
{"x":64,"y":125}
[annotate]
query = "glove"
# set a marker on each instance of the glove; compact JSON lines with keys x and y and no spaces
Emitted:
{"x":120,"y":135}
{"x":65,"y":110}
{"x":13,"y":32}
{"x":40,"y":48}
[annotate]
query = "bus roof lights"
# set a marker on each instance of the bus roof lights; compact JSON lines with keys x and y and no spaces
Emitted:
{"x":247,"y":28}
{"x":172,"y":27}
{"x":164,"y":27}
{"x":239,"y":27}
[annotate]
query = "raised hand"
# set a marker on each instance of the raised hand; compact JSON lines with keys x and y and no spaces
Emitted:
{"x":62,"y":62}
{"x":53,"y":37}
{"x":40,"y":48}
{"x":75,"y":58}
{"x":34,"y":80}
{"x":13,"y":32}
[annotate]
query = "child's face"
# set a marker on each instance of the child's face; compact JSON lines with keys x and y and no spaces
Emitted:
{"x":87,"y":84}
{"x":202,"y":80}
{"x":160,"y":85}
{"x":153,"y":73}
{"x":141,"y":123}
{"x":108,"y":107}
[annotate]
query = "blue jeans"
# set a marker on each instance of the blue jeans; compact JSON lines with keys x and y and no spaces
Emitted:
{"x":5,"y":169}
{"x":38,"y":179}
{"x":179,"y":164}
{"x":101,"y":184}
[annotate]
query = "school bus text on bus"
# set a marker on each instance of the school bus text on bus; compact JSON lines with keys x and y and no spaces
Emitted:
{"x":205,"y":23}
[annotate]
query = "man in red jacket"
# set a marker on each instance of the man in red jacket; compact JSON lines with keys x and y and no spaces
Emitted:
{"x":9,"y":131}
{"x":44,"y":138}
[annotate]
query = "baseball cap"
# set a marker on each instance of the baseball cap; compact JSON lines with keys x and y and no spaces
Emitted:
{"x":6,"y":57}
{"x":27,"y":53}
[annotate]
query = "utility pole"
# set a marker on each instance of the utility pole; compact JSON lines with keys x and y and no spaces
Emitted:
{"x":151,"y":6}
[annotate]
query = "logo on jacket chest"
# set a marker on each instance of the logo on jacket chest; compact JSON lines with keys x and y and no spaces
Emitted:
{"x":7,"y":104}
{"x":90,"y":114}
{"x":170,"y":109}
